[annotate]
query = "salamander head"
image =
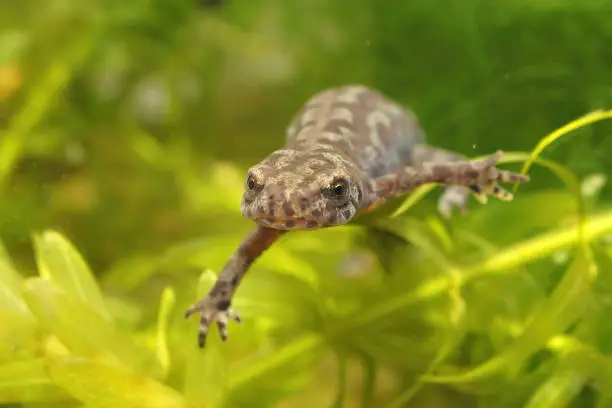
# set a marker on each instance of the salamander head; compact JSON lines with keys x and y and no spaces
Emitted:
{"x":296,"y":190}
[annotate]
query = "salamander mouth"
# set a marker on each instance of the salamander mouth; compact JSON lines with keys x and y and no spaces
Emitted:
{"x":287,"y":223}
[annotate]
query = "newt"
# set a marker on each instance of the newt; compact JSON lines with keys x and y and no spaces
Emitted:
{"x":347,"y":150}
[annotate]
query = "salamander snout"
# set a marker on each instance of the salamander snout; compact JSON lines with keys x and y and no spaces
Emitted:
{"x":286,"y":211}
{"x":292,"y":190}
{"x":304,"y":208}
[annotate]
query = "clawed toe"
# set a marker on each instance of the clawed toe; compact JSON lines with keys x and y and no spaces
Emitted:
{"x":501,"y":193}
{"x":209,"y":315}
{"x":481,"y":194}
{"x":491,"y":176}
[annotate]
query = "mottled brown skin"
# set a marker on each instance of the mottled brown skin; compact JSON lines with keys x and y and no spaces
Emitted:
{"x":348,"y":150}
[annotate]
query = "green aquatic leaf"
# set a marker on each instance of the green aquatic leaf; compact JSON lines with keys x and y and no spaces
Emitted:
{"x":369,"y":380}
{"x":318,"y":241}
{"x":417,"y":195}
{"x":165,"y":309}
{"x":213,"y":253}
{"x":101,"y":383}
{"x":273,"y":373}
{"x":342,"y":382}
{"x":43,"y":93}
{"x":285,"y":262}
{"x":60,"y":262}
{"x":538,"y":247}
{"x":18,"y":327}
{"x":82,"y":329}
{"x":533,"y":213}
{"x":18,"y":334}
{"x":418,"y":233}
{"x":567,"y":303}
{"x":8,"y":273}
{"x":558,"y":391}
{"x":577,"y":364}
{"x":549,"y":139}
{"x":453,"y":341}
{"x":276,"y":300}
{"x":128,"y":273}
{"x":126,"y":311}
{"x":301,"y":347}
{"x":27,"y":381}
{"x":11,"y":303}
{"x":11,"y":283}
{"x":583,"y":358}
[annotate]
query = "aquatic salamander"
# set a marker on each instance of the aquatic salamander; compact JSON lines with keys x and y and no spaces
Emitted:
{"x":347,"y":150}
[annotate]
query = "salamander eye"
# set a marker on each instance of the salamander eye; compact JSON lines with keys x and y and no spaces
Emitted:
{"x":251,"y":183}
{"x":338,"y":190}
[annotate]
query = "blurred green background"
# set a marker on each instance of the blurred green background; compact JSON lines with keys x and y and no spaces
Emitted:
{"x":127,"y":129}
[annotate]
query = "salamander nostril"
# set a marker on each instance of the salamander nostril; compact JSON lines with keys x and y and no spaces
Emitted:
{"x":303,"y":203}
{"x":288,"y":209}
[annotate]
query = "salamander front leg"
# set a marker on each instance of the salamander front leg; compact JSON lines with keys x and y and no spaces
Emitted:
{"x":215,"y":307}
{"x":481,"y":177}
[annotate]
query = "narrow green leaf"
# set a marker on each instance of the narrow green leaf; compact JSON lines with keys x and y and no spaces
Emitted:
{"x":125,"y":310}
{"x":38,"y":103}
{"x":307,"y":344}
{"x":538,"y":247}
{"x":420,"y":235}
{"x":83,"y":330}
{"x":573,"y":184}
{"x":165,"y":310}
{"x":60,"y":262}
{"x":567,"y":303}
{"x":558,"y":391}
{"x":532,"y":212}
{"x":18,"y":325}
{"x":414,"y":197}
{"x":8,"y":274}
{"x":454,"y":339}
{"x":583,"y":359}
{"x":587,"y":119}
{"x":369,"y":380}
{"x":285,"y":262}
{"x":109,"y":385}
{"x":18,"y":334}
{"x":341,"y":394}
{"x":128,"y":273}
{"x":26,"y":381}
{"x":10,"y":288}
{"x":206,"y":372}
